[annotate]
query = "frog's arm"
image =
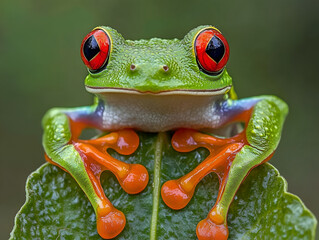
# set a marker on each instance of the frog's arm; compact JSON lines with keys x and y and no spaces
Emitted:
{"x":231,"y":158}
{"x":86,"y":159}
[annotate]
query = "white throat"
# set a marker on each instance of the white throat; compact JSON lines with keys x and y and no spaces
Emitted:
{"x":159,"y":112}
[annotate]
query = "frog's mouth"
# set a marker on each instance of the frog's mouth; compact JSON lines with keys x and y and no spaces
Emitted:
{"x":196,"y":92}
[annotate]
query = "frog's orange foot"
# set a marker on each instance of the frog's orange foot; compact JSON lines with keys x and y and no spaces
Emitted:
{"x":132,"y":177}
{"x":177,"y":193}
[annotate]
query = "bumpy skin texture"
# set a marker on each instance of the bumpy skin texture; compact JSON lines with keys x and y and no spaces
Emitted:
{"x":137,"y":98}
{"x":149,"y":56}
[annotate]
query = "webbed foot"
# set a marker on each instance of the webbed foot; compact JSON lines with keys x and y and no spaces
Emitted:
{"x":177,"y":193}
{"x":132,"y":177}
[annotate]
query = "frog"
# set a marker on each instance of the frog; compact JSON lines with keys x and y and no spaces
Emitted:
{"x":159,"y":85}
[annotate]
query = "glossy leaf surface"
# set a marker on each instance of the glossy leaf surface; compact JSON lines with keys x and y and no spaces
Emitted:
{"x":56,"y":208}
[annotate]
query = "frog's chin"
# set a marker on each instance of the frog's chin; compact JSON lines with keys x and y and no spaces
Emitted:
{"x":205,"y":92}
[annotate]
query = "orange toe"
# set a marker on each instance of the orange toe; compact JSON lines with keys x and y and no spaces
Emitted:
{"x":136,"y":180}
{"x":183,"y":140}
{"x":207,"y":230}
{"x":174,"y":196}
{"x":111,"y":225}
{"x":127,"y":142}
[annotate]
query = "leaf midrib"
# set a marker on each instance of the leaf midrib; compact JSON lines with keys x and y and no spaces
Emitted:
{"x":157,"y":183}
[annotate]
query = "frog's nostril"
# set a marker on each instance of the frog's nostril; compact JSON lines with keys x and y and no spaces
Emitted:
{"x":132,"y":67}
{"x":165,"y":68}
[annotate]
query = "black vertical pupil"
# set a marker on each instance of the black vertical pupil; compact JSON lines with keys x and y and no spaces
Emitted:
{"x":215,"y":49}
{"x":90,"y":48}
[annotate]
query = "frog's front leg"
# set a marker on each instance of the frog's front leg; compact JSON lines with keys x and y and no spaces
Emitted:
{"x":231,"y":158}
{"x":85,"y":160}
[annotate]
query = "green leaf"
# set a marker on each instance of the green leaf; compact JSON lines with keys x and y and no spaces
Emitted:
{"x":56,"y":208}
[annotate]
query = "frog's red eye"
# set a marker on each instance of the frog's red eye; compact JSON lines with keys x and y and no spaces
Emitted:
{"x":95,"y":49}
{"x":211,"y":50}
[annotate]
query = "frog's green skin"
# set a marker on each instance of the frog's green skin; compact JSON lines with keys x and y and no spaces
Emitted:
{"x":148,"y":98}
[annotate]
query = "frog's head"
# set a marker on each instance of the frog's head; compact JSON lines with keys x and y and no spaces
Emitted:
{"x":194,"y":65}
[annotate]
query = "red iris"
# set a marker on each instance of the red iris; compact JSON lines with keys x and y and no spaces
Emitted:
{"x":212,"y":51}
{"x":95,"y":49}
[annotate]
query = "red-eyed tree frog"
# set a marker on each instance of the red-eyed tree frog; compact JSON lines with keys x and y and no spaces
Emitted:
{"x":162,"y":85}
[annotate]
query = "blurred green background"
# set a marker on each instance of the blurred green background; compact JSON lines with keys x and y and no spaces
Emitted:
{"x":274,"y":50}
